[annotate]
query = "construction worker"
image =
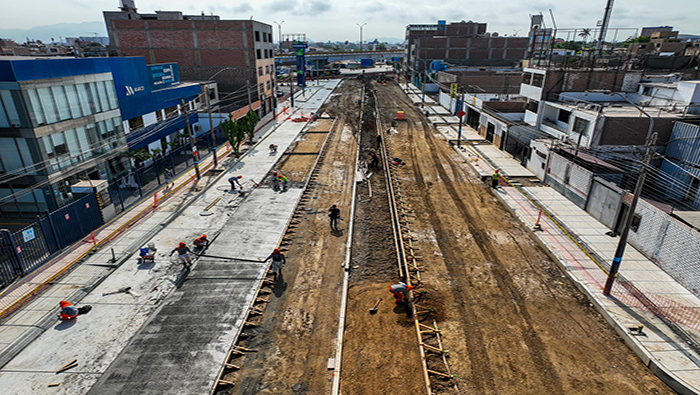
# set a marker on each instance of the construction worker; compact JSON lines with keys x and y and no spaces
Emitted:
{"x":494,"y":179}
{"x":379,"y":139}
{"x":183,"y":252}
{"x":234,"y":181}
{"x":69,"y":312}
{"x":334,"y":215}
{"x":278,"y":260}
{"x":201,"y":242}
{"x":283,"y":180}
{"x":374,"y":161}
{"x":400,"y":291}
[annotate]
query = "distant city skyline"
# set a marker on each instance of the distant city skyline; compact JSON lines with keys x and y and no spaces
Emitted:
{"x":335,"y":20}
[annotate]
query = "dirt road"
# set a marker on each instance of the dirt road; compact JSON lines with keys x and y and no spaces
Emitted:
{"x":298,"y":329}
{"x":510,"y":319}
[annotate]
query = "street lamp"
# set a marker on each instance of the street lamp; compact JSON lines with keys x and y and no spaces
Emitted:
{"x":361,"y":26}
{"x":620,"y":251}
{"x":279,"y":27}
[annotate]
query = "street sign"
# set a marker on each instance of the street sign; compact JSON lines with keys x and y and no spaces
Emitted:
{"x":28,"y":234}
{"x":300,"y":44}
{"x":461,"y":113}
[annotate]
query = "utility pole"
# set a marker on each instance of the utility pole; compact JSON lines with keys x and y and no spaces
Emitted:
{"x":361,"y":26}
{"x":291,"y":90}
{"x":193,"y":142}
{"x":622,"y":243}
{"x":250,"y":105}
{"x":211,"y":125}
{"x":459,"y":131}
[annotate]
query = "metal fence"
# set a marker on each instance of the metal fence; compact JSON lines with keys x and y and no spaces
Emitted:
{"x":23,"y":251}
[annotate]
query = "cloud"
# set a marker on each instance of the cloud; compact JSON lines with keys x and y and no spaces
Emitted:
{"x":245,"y":7}
{"x":318,"y":7}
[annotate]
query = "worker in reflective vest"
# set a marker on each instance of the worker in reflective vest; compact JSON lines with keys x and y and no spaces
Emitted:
{"x":400,"y":291}
{"x":494,"y":179}
{"x":68,"y":311}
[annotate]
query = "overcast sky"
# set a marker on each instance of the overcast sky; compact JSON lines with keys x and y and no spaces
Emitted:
{"x":336,"y":20}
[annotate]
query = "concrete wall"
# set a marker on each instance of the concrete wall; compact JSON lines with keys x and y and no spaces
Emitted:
{"x":573,"y":181}
{"x":633,"y":130}
{"x":490,"y":81}
{"x":539,"y":152}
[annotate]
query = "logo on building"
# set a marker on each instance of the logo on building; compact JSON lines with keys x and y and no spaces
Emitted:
{"x":130,"y":91}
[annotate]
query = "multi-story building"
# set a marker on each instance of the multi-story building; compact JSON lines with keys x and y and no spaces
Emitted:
{"x":461,"y":44}
{"x":59,"y":123}
{"x":151,"y":101}
{"x":237,"y":54}
{"x":647,"y":31}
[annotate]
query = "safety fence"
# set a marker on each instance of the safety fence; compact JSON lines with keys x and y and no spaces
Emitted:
{"x":25,"y":250}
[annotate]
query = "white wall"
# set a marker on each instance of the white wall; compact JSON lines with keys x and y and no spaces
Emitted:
{"x":530,"y":118}
{"x":531,"y":92}
{"x":537,"y":163}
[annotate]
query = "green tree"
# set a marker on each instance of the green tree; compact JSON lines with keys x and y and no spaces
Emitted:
{"x":234,"y":133}
{"x":381,"y":47}
{"x":250,"y":121}
{"x":585,"y":34}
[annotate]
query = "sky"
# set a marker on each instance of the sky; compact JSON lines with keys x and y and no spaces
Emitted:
{"x":336,"y":20}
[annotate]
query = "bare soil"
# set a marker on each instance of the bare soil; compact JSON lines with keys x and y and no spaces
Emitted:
{"x":298,"y":329}
{"x":512,"y":322}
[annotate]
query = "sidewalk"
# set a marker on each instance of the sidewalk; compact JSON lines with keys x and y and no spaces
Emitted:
{"x":642,"y":293}
{"x":35,"y":343}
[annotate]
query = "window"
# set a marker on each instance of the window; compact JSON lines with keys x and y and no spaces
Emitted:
{"x":527,"y":77}
{"x":267,"y":69}
{"x":171,"y":112}
{"x":135,"y":123}
{"x":260,"y":71}
{"x":159,"y":115}
{"x":62,"y":105}
{"x":564,"y":116}
{"x":73,"y":101}
{"x":257,"y":36}
{"x":85,"y":99}
{"x":48,"y":104}
{"x":636,"y":221}
{"x":268,"y":85}
{"x":59,"y":144}
{"x":258,"y":54}
{"x":537,"y":80}
{"x":262,"y":89}
{"x":648,"y":91}
{"x":581,"y":126}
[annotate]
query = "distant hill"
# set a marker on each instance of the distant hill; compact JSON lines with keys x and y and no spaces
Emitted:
{"x":388,"y":40}
{"x":694,"y":37}
{"x":46,"y":33}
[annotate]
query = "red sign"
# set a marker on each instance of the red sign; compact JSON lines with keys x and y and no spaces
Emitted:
{"x":67,"y":217}
{"x":461,"y":113}
{"x":19,"y":250}
{"x":87,"y":205}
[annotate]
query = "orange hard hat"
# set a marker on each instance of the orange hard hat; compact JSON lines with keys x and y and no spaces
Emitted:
{"x":240,"y":176}
{"x":277,"y":250}
{"x":409,"y":287}
{"x":204,"y":236}
{"x":63,"y":303}
{"x":182,"y":243}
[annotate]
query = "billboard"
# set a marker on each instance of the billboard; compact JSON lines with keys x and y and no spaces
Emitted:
{"x":163,"y":75}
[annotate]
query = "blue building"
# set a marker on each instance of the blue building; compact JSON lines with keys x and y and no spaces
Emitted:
{"x":63,"y":120}
{"x":59,"y":123}
{"x":150,"y":101}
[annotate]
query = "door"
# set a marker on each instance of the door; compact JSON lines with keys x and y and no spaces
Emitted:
{"x":490,"y":129}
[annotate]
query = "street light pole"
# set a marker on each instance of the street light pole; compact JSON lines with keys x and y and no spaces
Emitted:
{"x":459,"y":131}
{"x":620,"y":251}
{"x":211,"y":124}
{"x":279,"y":29}
{"x":193,"y":142}
{"x":361,"y":26}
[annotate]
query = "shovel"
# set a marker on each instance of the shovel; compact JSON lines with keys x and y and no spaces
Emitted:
{"x":373,"y":310}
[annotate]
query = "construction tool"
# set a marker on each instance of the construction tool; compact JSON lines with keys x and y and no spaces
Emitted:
{"x":119,"y":291}
{"x":373,"y":310}
{"x":67,"y":366}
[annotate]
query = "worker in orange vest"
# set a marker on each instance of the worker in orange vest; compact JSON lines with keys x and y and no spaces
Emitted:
{"x":201,"y":242}
{"x":400,"y":291}
{"x":69,"y":312}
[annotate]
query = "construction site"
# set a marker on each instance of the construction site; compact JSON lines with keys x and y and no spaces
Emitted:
{"x":492,"y":309}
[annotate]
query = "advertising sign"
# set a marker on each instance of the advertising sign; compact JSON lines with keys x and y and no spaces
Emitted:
{"x":164,"y":75}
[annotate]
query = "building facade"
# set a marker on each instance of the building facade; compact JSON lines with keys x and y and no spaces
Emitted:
{"x":237,"y":54}
{"x":461,"y":44}
{"x":59,"y":123}
{"x":151,"y":101}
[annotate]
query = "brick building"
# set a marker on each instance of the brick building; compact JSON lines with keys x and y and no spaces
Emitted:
{"x":461,"y":44}
{"x":238,"y":53}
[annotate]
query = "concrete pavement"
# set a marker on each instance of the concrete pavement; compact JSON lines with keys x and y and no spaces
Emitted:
{"x":38,"y":343}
